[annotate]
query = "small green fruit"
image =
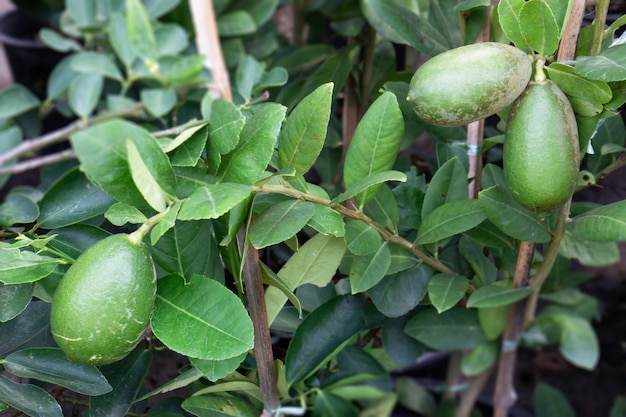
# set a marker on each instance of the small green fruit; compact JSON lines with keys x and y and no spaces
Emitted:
{"x":104,"y":302}
{"x":541,"y":150}
{"x":469,"y":83}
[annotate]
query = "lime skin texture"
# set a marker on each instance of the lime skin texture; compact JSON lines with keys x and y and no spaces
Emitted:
{"x":104,"y":302}
{"x":541,"y":149}
{"x":469,"y":83}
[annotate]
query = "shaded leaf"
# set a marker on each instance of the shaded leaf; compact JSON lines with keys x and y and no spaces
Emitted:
{"x":609,"y":65}
{"x":367,"y":271}
{"x":445,"y":290}
{"x":217,"y":369}
{"x":549,"y":401}
{"x":454,"y":329}
{"x":396,"y":295}
{"x":15,"y":100}
{"x":84,"y":93}
{"x":21,"y":266}
{"x":14,"y":299}
{"x":603,"y":224}
{"x":367,"y":183}
{"x":280,"y":222}
{"x":213,"y":406}
{"x":450,"y":219}
{"x":30,"y":399}
{"x":496,"y":295}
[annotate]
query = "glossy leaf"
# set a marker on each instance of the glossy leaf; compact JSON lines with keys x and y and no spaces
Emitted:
{"x":246,"y":162}
{"x":119,"y":214}
{"x":450,"y":219}
{"x":549,"y":401}
{"x":72,"y":199}
{"x":578,"y":342}
{"x":445,"y":291}
{"x":479,"y":359}
{"x":101,"y":150}
{"x":496,"y":295}
{"x":217,"y":369}
{"x":321,"y":336}
{"x":171,"y":39}
{"x":368,"y":183}
{"x":367,"y":271}
{"x":361,"y":238}
{"x":455,"y":329}
{"x":30,"y":399}
{"x":574,"y":85}
{"x":449,"y":183}
{"x":539,"y":27}
{"x":23,"y":328}
{"x":375,"y":144}
{"x":201,"y":319}
{"x":509,"y":18}
{"x":226,"y":125}
{"x":315,"y":262}
{"x":75,"y":239}
{"x":302,"y":137}
{"x":51,"y":365}
{"x":183,"y":380}
{"x":396,"y":295}
{"x":213,"y":200}
{"x":166,"y":222}
{"x":15,"y":100}
{"x":236,"y":23}
{"x":60,"y":78}
{"x":401,"y":25}
{"x":97,"y":63}
{"x":413,"y":396}
{"x":188,"y":153}
{"x":587,"y":252}
{"x":126,"y":377}
{"x":158,"y":101}
{"x":189,"y":248}
{"x":280,"y":222}
{"x":328,"y":404}
{"x":603,"y":224}
{"x":10,"y":137}
{"x":327,"y":221}
{"x":493,"y":320}
{"x":214,"y":406}
{"x":607,"y":66}
{"x":18,"y":207}
{"x":21,"y":266}
{"x":84,"y":93}
{"x":14,"y":299}
{"x":57,"y":42}
{"x":144,"y":180}
{"x":519,"y":222}
{"x":401,"y":348}
{"x":383,"y":209}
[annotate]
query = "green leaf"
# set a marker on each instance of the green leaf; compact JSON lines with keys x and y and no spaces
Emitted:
{"x":479,"y":359}
{"x":60,"y":78}
{"x":15,"y":100}
{"x":361,"y":238}
{"x":189,"y":248}
{"x":276,"y":77}
{"x":445,"y":290}
{"x":225,"y":127}
{"x":454,"y":329}
{"x":219,"y":406}
{"x":619,"y":407}
{"x":214,"y":370}
{"x":578,"y":342}
{"x":30,"y":323}
{"x":395,"y":295}
{"x":144,"y":180}
{"x":14,"y":299}
{"x":9,"y":138}
{"x":413,"y":396}
{"x":383,"y":209}
{"x":101,"y":150}
{"x":321,"y":336}
{"x":72,"y":199}
{"x":574,"y":85}
{"x":18,"y":207}
{"x":201,"y":318}
{"x":450,"y":219}
{"x":330,"y":405}
{"x":96,"y":62}
{"x":302,"y":137}
{"x":496,"y":295}
{"x":549,"y":402}
{"x":280,"y":222}
{"x":51,"y":365}
{"x":587,"y":252}
{"x":84,"y":93}
{"x":171,"y":39}
{"x":82,"y":12}
{"x":603,"y":224}
{"x":183,"y":380}
{"x":247,"y":162}
{"x":539,"y":27}
{"x":127,"y":378}
{"x":141,"y":37}
{"x":519,"y":222}
{"x":213,"y":200}
{"x":367,"y":271}
{"x":466,"y":5}
{"x":158,"y":101}
{"x":315,"y":262}
{"x":493,"y":320}
{"x":365,"y":184}
{"x":120,"y":39}
{"x":58,"y":42}
{"x":509,"y":17}
{"x":21,"y":266}
{"x":375,"y":144}
{"x":401,"y":25}
{"x":30,"y":399}
{"x":327,"y":221}
{"x":449,"y":183}
{"x":119,"y":214}
{"x":166,"y":223}
{"x":609,"y":65}
{"x":236,"y":23}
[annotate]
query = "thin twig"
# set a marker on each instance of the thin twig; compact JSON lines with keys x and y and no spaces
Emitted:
{"x":38,"y":162}
{"x":567,"y":48}
{"x":602,"y":9}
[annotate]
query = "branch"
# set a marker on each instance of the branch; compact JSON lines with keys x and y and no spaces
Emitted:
{"x":38,"y":162}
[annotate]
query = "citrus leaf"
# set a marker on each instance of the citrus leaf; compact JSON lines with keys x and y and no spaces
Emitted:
{"x":315,"y":262}
{"x":166,"y":223}
{"x":578,"y":342}
{"x":610,"y":65}
{"x":375,"y":144}
{"x":603,"y":224}
{"x":140,"y":32}
{"x":119,"y":214}
{"x":72,"y":199}
{"x":183,"y":137}
{"x":445,"y":290}
{"x":201,"y":319}
{"x":214,"y":370}
{"x":549,"y":401}
{"x":479,"y":359}
{"x":302,"y":137}
{"x":30,"y":399}
{"x":361,"y":238}
{"x":367,"y":271}
{"x":14,"y":299}
{"x":96,"y":62}
{"x":30,"y":323}
{"x":450,"y":219}
{"x":144,"y":180}
{"x":158,"y":101}
{"x":395,"y":295}
{"x":184,"y":379}
{"x":321,"y":336}
{"x":84,"y":93}
{"x":280,"y":222}
{"x":21,"y":266}
{"x":15,"y":100}
{"x":51,"y":365}
{"x":213,"y":200}
{"x":574,"y":85}
{"x":454,"y":329}
{"x":449,"y":183}
{"x":496,"y":295}
{"x":368,"y":182}
{"x":213,"y":405}
{"x":539,"y":27}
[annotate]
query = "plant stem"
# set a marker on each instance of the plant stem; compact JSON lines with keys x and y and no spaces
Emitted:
{"x":63,"y":134}
{"x":567,"y":48}
{"x":38,"y":162}
{"x":354,"y":214}
{"x":475,"y":387}
{"x":505,"y":395}
{"x":368,"y":69}
{"x":602,"y":9}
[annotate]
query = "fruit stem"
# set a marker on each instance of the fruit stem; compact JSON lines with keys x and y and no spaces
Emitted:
{"x":540,"y":74}
{"x":138,"y":235}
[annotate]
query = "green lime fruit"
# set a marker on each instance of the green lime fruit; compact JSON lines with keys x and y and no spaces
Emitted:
{"x":541,"y":149}
{"x":469,"y":83}
{"x":104,"y":302}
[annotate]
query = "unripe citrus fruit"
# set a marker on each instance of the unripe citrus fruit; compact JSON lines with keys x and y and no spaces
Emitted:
{"x":541,"y":150}
{"x":469,"y":83}
{"x":104,"y":302}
